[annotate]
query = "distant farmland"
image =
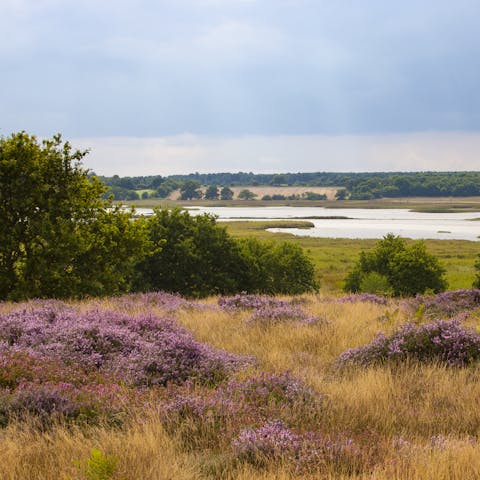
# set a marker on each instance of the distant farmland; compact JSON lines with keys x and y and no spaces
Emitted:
{"x":262,"y":190}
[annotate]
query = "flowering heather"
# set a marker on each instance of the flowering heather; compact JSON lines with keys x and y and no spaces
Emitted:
{"x":202,"y":419}
{"x":363,"y":297}
{"x":273,"y":441}
{"x":194,"y":412}
{"x":267,"y":310}
{"x":244,"y":301}
{"x":276,"y":388}
{"x":446,"y":304}
{"x":18,"y":366}
{"x":268,"y":315}
{"x":166,"y":301}
{"x":143,"y":350}
{"x":63,"y":400}
{"x":442,"y":340}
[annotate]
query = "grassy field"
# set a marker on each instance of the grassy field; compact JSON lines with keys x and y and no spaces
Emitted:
{"x":335,"y":257}
{"x":405,"y":420}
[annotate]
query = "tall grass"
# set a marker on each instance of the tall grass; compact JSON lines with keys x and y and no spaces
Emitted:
{"x":409,"y":420}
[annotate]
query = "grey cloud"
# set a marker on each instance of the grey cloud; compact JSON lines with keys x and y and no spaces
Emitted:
{"x":229,"y":67}
{"x":281,"y":153}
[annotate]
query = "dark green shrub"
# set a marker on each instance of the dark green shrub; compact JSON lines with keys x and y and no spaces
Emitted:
{"x":194,"y":256}
{"x":408,"y":270}
{"x":476,"y":282}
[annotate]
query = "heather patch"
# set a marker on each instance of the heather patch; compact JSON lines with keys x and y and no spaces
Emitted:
{"x":18,"y":365}
{"x":213,"y":417}
{"x":168,"y":302}
{"x":268,"y":310}
{"x":269,"y":315}
{"x":267,"y":390}
{"x":49,"y":401}
{"x":201,"y":419}
{"x":271,"y":441}
{"x":143,"y":350}
{"x":442,"y":341}
{"x":59,"y":363}
{"x":309,"y":451}
{"x":363,"y":297}
{"x":444,"y":305}
{"x":244,"y":301}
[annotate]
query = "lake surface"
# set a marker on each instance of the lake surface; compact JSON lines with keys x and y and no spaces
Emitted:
{"x":360,"y":223}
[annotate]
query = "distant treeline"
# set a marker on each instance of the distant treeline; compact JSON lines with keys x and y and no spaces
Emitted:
{"x":354,"y":186}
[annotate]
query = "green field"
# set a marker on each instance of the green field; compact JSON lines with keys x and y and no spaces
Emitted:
{"x":335,"y":257}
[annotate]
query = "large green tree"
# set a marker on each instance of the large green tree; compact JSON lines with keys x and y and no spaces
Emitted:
{"x":190,"y":190}
{"x":58,"y":237}
{"x":246,"y":194}
{"x":212,"y":193}
{"x":226,"y":193}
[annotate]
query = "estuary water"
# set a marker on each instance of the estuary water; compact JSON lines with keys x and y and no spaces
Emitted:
{"x":355,"y":222}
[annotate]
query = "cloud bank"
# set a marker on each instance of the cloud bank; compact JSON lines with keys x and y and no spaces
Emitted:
{"x":287,"y":153}
{"x":239,"y":67}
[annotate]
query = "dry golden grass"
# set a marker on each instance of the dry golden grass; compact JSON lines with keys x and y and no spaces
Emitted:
{"x":412,"y":402}
{"x":262,"y":190}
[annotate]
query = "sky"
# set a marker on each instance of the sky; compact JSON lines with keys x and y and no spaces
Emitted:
{"x":178,"y":86}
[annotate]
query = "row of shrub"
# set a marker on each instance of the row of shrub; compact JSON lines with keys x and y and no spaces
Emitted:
{"x":61,"y":239}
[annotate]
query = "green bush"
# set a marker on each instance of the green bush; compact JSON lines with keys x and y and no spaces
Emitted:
{"x":246,"y":194}
{"x":226,"y":193}
{"x":98,"y":466}
{"x":190,"y":190}
{"x":408,"y":270}
{"x":190,"y":255}
{"x":476,"y":282}
{"x":277,"y":268}
{"x":376,"y":283}
{"x":194,"y":256}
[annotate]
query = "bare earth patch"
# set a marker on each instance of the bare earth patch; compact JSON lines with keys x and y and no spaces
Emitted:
{"x":262,"y":190}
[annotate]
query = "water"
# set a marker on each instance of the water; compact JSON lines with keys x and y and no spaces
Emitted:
{"x":360,"y":223}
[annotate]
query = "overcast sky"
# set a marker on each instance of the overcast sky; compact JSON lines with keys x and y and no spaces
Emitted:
{"x":176,"y":86}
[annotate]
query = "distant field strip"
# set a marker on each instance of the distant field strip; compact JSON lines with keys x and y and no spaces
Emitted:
{"x":262,"y":190}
